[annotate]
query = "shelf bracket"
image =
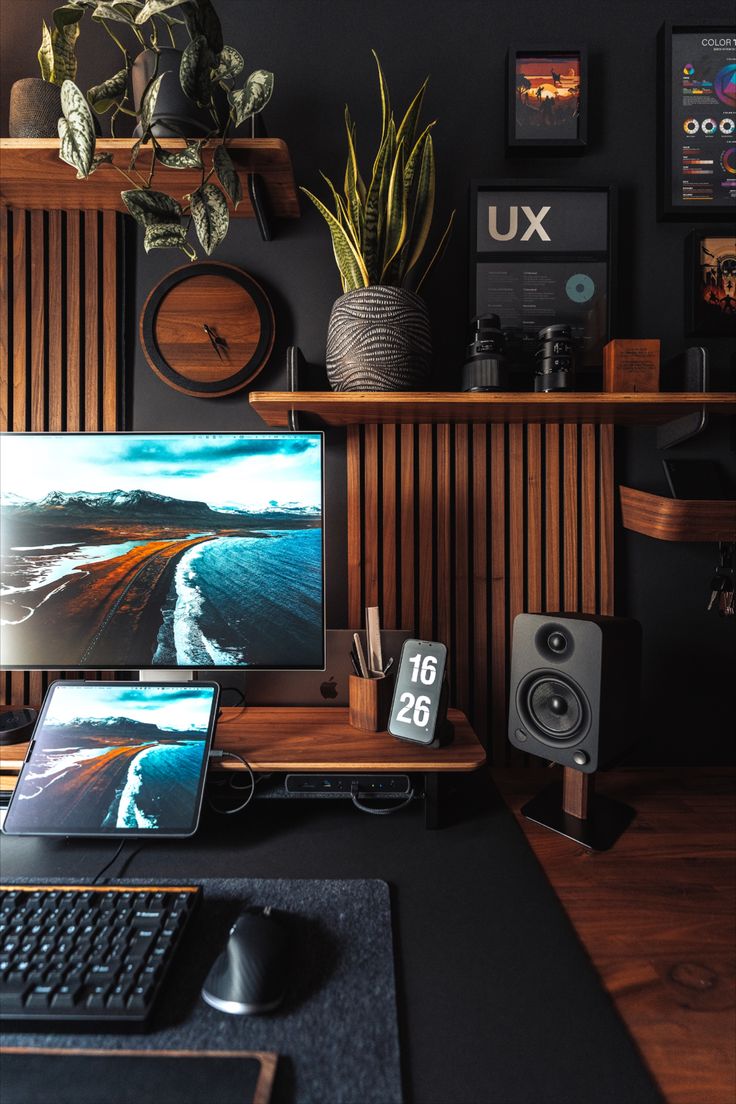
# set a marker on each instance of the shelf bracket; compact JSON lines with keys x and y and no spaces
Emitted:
{"x":259,"y":202}
{"x":696,"y":378}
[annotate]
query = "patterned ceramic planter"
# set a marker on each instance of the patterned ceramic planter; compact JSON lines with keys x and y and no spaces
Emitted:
{"x":379,"y":339}
{"x":35,"y":107}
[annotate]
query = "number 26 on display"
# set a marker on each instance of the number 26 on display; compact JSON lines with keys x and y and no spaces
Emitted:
{"x":416,"y":707}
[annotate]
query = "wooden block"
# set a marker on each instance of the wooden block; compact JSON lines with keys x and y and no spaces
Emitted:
{"x":370,"y":701}
{"x":631,"y":365}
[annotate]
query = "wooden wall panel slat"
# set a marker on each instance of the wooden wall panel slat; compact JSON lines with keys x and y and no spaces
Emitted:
{"x":55,"y":373}
{"x":552,"y":517}
{"x":407,"y":506}
{"x":534,"y":534}
{"x":426,"y":550}
{"x":570,"y":518}
{"x":355,"y":527}
{"x":588,"y":520}
{"x":370,"y":515}
{"x":443,"y":529}
{"x":460,"y":523}
{"x":605,"y":521}
{"x":500,"y":615}
{"x":516,"y":520}
{"x":478,"y":671}
{"x":389,"y":551}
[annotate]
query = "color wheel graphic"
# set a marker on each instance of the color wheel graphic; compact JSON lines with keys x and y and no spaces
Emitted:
{"x":725,"y":85}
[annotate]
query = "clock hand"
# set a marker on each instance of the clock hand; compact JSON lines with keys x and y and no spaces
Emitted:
{"x":216,"y":342}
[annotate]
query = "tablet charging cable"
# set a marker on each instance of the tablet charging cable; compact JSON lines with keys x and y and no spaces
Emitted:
{"x":216,"y":755}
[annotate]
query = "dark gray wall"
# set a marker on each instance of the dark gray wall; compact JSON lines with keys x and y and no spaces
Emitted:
{"x":320,"y":53}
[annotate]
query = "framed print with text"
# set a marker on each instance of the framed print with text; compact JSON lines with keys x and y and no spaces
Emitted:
{"x":542,"y":252}
{"x":546,"y":99}
{"x":710,"y":284}
{"x":697,"y":124}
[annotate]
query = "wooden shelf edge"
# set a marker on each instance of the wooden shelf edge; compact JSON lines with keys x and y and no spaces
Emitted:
{"x":678,"y":519}
{"x":33,"y":176}
{"x":354,"y":408}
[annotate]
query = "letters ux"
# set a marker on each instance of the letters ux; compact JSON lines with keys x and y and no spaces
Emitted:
{"x":534,"y":227}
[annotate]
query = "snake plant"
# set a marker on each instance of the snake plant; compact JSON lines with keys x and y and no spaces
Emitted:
{"x":380,"y":231}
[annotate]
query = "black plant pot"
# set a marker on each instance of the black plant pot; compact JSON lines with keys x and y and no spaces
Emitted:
{"x":175,"y":115}
{"x":379,"y":339}
{"x":35,"y":109}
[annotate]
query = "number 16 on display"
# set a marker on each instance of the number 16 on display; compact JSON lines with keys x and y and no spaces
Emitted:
{"x":419,"y":691}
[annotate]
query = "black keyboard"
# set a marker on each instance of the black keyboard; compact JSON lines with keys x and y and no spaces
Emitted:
{"x":87,"y":953}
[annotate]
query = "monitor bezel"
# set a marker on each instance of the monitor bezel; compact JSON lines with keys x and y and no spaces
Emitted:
{"x":241,"y":668}
{"x":108,"y":833}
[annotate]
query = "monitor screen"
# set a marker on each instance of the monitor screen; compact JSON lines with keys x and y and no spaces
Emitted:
{"x":161,"y":550}
{"x":122,"y":757}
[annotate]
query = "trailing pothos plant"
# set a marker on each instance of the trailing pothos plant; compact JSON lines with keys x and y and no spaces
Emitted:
{"x":209,"y":69}
{"x":380,"y":231}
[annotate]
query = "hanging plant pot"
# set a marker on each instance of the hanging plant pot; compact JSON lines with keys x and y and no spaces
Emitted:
{"x":175,"y":115}
{"x":35,"y":107}
{"x":379,"y":339}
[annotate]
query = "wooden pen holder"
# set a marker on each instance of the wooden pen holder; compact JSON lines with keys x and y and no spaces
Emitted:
{"x":370,"y":702}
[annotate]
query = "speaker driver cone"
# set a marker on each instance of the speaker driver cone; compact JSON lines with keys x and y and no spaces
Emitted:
{"x":554,"y":708}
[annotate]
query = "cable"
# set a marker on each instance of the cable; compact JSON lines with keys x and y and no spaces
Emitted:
{"x":129,"y":858}
{"x":108,"y":864}
{"x":354,"y":790}
{"x":235,"y":690}
{"x":238,"y":808}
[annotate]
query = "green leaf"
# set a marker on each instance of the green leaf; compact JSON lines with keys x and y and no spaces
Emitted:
{"x":101,"y":97}
{"x":78,"y":132}
{"x":210,"y":216}
{"x":228,"y":176}
{"x":410,"y":123}
{"x":385,"y":99}
{"x":148,"y":102}
{"x":46,"y":54}
{"x":67,"y":13}
{"x":423,"y":197}
{"x":119,"y":13}
{"x":164,"y":235}
{"x":154,"y":7}
{"x":99,"y":159}
{"x":201,"y":18}
{"x":188,"y":158}
{"x":349,"y":262}
{"x":438,"y":251}
{"x":354,"y":187}
{"x":195,"y":71}
{"x":252,"y":98}
{"x":136,"y":149}
{"x":65,"y":61}
{"x":150,"y":208}
{"x":229,"y":64}
{"x":396,"y":221}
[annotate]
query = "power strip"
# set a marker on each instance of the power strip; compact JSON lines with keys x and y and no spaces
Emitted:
{"x":368,"y":785}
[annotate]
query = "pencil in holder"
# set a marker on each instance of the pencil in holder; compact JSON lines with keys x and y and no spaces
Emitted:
{"x":370,"y":702}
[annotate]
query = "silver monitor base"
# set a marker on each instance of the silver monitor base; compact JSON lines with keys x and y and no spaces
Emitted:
{"x":164,"y":674}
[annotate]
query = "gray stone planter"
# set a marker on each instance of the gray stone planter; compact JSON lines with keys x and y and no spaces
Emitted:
{"x":35,"y":108}
{"x":379,"y":339}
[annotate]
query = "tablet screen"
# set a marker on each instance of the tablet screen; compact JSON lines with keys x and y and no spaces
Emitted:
{"x":116,"y":759}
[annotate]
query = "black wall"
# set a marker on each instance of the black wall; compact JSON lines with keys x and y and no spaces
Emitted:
{"x":320,"y":53}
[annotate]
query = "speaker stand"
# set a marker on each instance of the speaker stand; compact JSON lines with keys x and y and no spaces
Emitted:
{"x":573,"y":809}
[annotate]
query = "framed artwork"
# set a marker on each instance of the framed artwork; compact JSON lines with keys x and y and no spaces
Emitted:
{"x":697,"y":122}
{"x":543,"y":252}
{"x":710,"y":284}
{"x":546,"y":98}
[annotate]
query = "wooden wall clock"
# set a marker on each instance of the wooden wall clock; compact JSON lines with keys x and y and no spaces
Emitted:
{"x":207,"y":329}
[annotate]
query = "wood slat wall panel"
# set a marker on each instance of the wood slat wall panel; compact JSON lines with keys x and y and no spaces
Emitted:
{"x":61,"y":359}
{"x":489,"y":521}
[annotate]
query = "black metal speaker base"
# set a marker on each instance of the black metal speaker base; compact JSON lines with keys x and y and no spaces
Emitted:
{"x":607,"y":819}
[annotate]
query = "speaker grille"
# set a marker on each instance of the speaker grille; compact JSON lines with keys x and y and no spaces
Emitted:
{"x":553,"y":708}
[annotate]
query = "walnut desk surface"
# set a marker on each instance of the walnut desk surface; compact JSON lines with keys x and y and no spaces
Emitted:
{"x":657,"y":915}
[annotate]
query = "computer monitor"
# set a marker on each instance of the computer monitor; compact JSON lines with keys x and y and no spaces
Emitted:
{"x":123,"y":551}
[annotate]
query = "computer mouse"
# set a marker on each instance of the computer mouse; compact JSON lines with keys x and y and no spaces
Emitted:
{"x":250,"y":976}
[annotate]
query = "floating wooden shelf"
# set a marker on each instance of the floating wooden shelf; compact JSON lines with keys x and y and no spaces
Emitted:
{"x":33,"y":176}
{"x":352,"y":408}
{"x":678,"y":519}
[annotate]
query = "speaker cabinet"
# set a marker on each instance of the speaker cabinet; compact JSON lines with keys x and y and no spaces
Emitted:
{"x":574,"y":691}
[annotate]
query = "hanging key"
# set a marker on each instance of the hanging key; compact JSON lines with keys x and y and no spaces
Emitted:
{"x":716,"y":588}
{"x":725,"y":599}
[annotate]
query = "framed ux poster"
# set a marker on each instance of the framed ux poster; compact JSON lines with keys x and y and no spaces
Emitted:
{"x":542,"y":253}
{"x":697,"y":131}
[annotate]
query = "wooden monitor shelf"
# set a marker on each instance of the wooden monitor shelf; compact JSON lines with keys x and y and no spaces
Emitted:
{"x":294,"y":738}
{"x":33,"y":176}
{"x":355,"y":408}
{"x":678,"y":519}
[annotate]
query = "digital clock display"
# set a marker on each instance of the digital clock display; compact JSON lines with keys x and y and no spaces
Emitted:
{"x":418,"y":690}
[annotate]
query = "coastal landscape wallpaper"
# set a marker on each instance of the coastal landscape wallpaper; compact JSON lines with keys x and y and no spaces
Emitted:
{"x":170,"y":550}
{"x":111,"y":758}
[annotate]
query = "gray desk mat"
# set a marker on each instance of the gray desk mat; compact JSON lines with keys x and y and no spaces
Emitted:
{"x":336,"y":1033}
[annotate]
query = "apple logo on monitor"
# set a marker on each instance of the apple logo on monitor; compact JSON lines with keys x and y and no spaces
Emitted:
{"x":328,"y":689}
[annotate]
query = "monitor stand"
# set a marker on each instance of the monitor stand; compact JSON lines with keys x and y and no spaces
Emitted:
{"x":166,"y":674}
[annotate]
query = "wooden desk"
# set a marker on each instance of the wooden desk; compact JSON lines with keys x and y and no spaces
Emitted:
{"x":656,"y":915}
{"x":304,"y":739}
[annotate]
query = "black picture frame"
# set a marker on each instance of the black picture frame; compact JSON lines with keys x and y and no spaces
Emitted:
{"x":515,"y":268}
{"x":516,"y":140}
{"x":670,"y":129}
{"x":710,"y":280}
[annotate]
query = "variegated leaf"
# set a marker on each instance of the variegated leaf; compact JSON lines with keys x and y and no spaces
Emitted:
{"x":68,"y":13}
{"x":252,"y":98}
{"x":228,"y":176}
{"x":101,"y":97}
{"x":65,"y":60}
{"x":349,"y":262}
{"x":229,"y":64}
{"x":148,"y":102}
{"x":118,"y":12}
{"x":46,"y":54}
{"x":78,"y":135}
{"x":201,"y":18}
{"x":210,"y":216}
{"x":154,"y":7}
{"x":137,"y":148}
{"x":99,"y":159}
{"x":188,"y":158}
{"x":195,"y":71}
{"x":150,"y":208}
{"x":164,"y":235}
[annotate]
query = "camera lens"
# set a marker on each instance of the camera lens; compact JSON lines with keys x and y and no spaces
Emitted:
{"x":555,"y":359}
{"x":485,"y":357}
